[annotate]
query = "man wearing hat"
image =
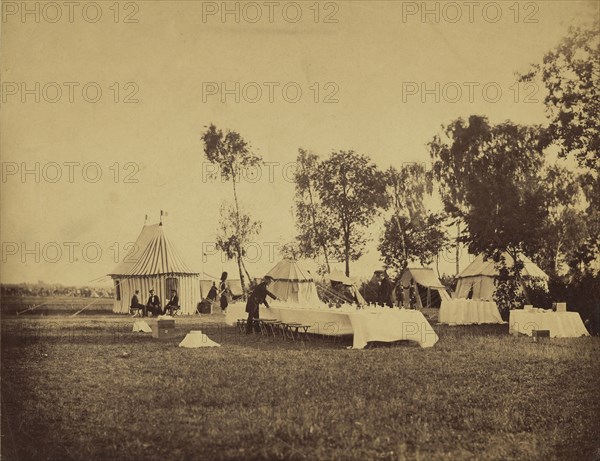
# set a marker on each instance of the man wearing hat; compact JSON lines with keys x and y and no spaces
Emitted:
{"x":173,"y":304}
{"x":153,"y":304}
{"x":257,"y":297}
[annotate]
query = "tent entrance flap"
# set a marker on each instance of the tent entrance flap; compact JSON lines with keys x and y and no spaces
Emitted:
{"x":429,"y":291}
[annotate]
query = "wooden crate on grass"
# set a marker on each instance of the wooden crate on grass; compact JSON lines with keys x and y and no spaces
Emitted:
{"x":163,"y":328}
{"x":538,"y":334}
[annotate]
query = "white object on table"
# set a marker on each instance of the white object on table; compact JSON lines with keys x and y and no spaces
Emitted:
{"x":371,"y":324}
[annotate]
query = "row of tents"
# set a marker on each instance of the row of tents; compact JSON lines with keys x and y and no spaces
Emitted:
{"x":154,"y":262}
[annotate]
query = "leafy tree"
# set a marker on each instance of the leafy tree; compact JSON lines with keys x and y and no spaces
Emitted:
{"x":454,"y":163}
{"x":231,"y":153}
{"x":411,"y":233}
{"x":352,"y":191}
{"x":315,"y":232}
{"x":564,"y":228}
{"x":501,"y":195}
{"x":291,"y":250}
{"x":571,"y":74}
{"x":236,"y":230}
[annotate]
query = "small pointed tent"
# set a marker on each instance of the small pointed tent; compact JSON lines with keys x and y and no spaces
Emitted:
{"x":481,"y":274}
{"x":153,"y":262}
{"x":293,"y":284}
{"x":337,"y":276}
{"x":429,"y":291}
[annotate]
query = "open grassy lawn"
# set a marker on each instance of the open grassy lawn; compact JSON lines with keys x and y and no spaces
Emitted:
{"x":55,"y":305}
{"x":90,"y":389}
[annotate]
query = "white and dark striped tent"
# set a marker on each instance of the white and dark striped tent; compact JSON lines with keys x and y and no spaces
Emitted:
{"x":153,"y":262}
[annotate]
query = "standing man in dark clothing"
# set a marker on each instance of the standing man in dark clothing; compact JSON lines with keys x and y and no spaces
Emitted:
{"x":136,"y":305}
{"x":256,"y":298}
{"x":153,"y":304}
{"x":224,"y":291}
{"x":412,"y":293}
{"x":385,"y":291}
{"x":212,"y":293}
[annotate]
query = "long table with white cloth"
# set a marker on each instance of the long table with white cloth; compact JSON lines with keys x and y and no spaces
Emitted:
{"x":366,"y":325}
{"x":560,"y":324}
{"x":468,"y":311}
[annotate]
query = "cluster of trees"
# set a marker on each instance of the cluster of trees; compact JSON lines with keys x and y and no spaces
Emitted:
{"x":338,"y":198}
{"x":498,"y":183}
{"x":498,"y":187}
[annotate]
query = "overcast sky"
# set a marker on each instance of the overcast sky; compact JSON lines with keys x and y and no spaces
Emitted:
{"x":361,"y":80}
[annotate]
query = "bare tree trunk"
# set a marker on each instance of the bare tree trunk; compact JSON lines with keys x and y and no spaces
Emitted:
{"x":347,"y":250}
{"x":246,"y":271}
{"x":239,"y":262}
{"x":316,"y":229}
{"x":457,"y":247}
{"x":402,"y":239}
{"x":556,"y":257}
{"x":237,"y":230}
{"x":514,"y":254}
{"x":347,"y":263}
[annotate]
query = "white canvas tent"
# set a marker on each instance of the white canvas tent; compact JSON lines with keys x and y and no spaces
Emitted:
{"x":429,"y":291}
{"x":293,"y":284}
{"x":153,"y":262}
{"x":481,"y":273}
{"x":337,"y":276}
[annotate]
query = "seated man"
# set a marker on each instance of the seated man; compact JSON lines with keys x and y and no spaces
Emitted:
{"x":173,"y":304}
{"x":136,"y":307}
{"x":153,"y":304}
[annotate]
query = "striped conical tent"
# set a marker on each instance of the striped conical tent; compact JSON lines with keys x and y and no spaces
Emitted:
{"x":154,"y":262}
{"x":159,"y":257}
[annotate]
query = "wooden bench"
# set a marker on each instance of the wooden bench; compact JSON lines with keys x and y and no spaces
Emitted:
{"x":241,"y":326}
{"x":272,"y":326}
{"x":296,"y":331}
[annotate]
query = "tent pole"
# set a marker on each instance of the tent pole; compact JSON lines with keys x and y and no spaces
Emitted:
{"x":81,"y":310}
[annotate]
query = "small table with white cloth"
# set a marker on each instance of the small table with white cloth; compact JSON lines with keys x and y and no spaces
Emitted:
{"x":366,"y":325}
{"x":468,"y":311}
{"x":560,"y":324}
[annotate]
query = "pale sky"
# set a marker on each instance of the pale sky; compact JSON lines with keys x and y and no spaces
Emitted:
{"x":374,"y":61}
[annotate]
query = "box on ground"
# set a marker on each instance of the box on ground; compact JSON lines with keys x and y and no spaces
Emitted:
{"x":163,"y":328}
{"x":540,"y":333}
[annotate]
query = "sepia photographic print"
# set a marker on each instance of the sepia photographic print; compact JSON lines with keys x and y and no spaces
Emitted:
{"x":338,"y":230}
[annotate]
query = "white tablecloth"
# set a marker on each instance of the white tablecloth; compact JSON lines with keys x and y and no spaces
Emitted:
{"x":560,"y":324}
{"x":468,"y":311}
{"x":371,"y":324}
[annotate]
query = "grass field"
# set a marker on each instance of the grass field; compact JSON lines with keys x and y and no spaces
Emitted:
{"x":87,"y":388}
{"x":55,"y":305}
